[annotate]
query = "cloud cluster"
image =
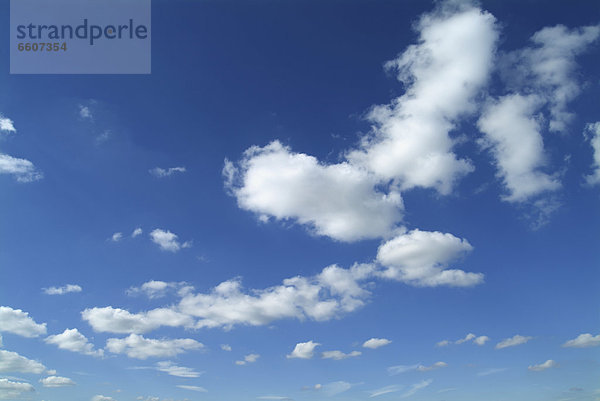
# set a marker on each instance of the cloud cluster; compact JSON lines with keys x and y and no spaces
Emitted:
{"x":115,"y":320}
{"x":250,"y":358}
{"x":479,"y":340}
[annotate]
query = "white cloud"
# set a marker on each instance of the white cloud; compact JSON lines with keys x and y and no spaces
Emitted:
{"x":178,"y":371}
{"x":338,"y":355}
{"x":512,"y":133}
{"x":13,"y":362}
{"x":376,"y":343}
{"x":115,"y":320}
{"x":225,"y":347}
{"x":10,"y":390}
{"x":56,"y":381}
{"x":250,"y":358}
{"x":416,"y":387}
{"x":193,"y":388}
{"x":421,"y":258}
{"x":304,"y":350}
{"x":73,"y":340}
{"x":85,"y":112}
{"x":335,"y":388}
{"x":23,"y":170}
{"x":154,"y":289}
{"x":6,"y":124}
{"x":386,"y":390}
{"x":273,"y":397}
{"x":0,"y":340}
{"x":116,"y":237}
{"x":442,"y":343}
{"x":491,"y":371}
{"x":161,"y":172}
{"x":18,"y":322}
{"x":443,"y":73}
{"x":136,"y":346}
{"x":481,"y":340}
{"x":317,"y":297}
{"x":395,"y":370}
{"x":468,"y":337}
{"x":136,"y":232}
{"x":62,"y":290}
{"x":592,"y":134}
{"x":543,"y":366}
{"x":513,"y":341}
{"x":585,"y":340}
{"x":167,"y":241}
{"x":102,"y":398}
{"x":338,"y":200}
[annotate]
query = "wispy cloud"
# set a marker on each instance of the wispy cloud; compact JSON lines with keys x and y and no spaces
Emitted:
{"x":543,"y":366}
{"x":65,"y":289}
{"x":513,"y":341}
{"x":161,"y":172}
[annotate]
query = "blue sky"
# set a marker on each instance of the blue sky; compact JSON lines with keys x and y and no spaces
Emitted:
{"x":310,"y":201}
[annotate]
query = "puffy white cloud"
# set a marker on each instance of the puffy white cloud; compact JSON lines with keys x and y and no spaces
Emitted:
{"x":443,"y":72}
{"x":338,"y":355}
{"x":154,"y":289}
{"x":18,"y":322}
{"x":161,"y":172}
{"x":339,"y":200}
{"x":56,"y":381}
{"x":73,"y":340}
{"x":22,"y":169}
{"x":481,"y":340}
{"x":138,"y":231}
{"x":513,"y":341}
{"x":102,"y":398}
{"x":421,"y":258}
{"x":250,"y":358}
{"x":116,"y":237}
{"x":193,"y":388}
{"x":543,"y":366}
{"x":592,"y":134}
{"x":416,"y":387}
{"x":317,"y":297}
{"x":178,"y":371}
{"x":13,"y":362}
{"x":6,"y":124}
{"x":376,"y":343}
{"x":85,"y":112}
{"x":12,"y":390}
{"x":226,"y":347}
{"x":115,"y":320}
{"x":65,"y":289}
{"x":512,"y":133}
{"x":304,"y":350}
{"x":136,"y":346}
{"x":585,"y":340}
{"x":386,"y":390}
{"x":167,"y":241}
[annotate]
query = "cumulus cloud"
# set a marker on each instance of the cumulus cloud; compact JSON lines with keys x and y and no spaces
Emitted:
{"x":193,"y":388}
{"x":513,"y":341}
{"x":179,"y":371}
{"x":18,"y":322}
{"x":138,"y":231}
{"x":250,"y":358}
{"x":168,"y":241}
{"x":421,"y":258}
{"x":592,"y":134}
{"x":116,"y":237}
{"x":13,"y":362}
{"x":376,"y":343}
{"x":154,"y":289}
{"x":317,"y":297}
{"x":304,"y":350}
{"x":115,"y":320}
{"x":543,"y":366}
{"x":338,"y":355}
{"x":12,"y":390}
{"x":585,"y":340}
{"x":56,"y":381}
{"x":338,"y":200}
{"x":161,"y":172}
{"x":6,"y":124}
{"x":65,"y":289}
{"x":73,"y":340}
{"x":21,"y":169}
{"x":136,"y":346}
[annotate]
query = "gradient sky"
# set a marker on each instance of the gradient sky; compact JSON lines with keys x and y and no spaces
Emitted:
{"x":310,"y":200}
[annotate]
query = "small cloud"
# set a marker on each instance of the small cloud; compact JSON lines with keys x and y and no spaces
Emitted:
{"x":481,"y":340}
{"x":395,"y":370}
{"x":102,"y":398}
{"x":251,"y":358}
{"x":155,"y":289}
{"x":161,"y":172}
{"x":513,"y":341}
{"x":72,"y":340}
{"x":442,"y":343}
{"x":468,"y":337}
{"x":491,"y":371}
{"x":85,"y":112}
{"x":338,"y":355}
{"x":193,"y":388}
{"x":543,"y":366}
{"x":416,"y":387}
{"x":136,"y":232}
{"x":386,"y":390}
{"x":374,"y":343}
{"x":6,"y":124}
{"x":65,"y":289}
{"x":168,"y":241}
{"x":437,"y":365}
{"x":304,"y":350}
{"x":22,"y":169}
{"x":335,"y":388}
{"x":273,"y":397}
{"x":56,"y":381}
{"x":225,"y":347}
{"x":178,"y":371}
{"x":116,"y":237}
{"x":583,"y":341}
